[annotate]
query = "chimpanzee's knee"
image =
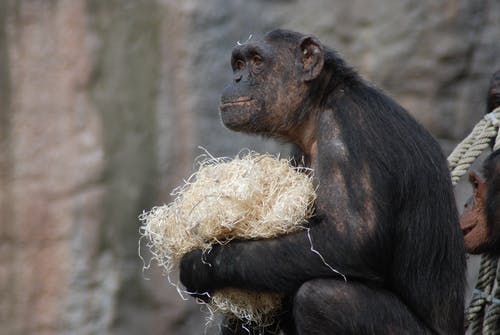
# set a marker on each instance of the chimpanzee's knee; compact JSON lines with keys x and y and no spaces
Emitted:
{"x":320,"y":304}
{"x":329,"y":306}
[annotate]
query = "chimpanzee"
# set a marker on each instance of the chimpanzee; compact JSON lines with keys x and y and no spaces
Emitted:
{"x":480,"y":221}
{"x":385,"y":212}
{"x":493,"y":99}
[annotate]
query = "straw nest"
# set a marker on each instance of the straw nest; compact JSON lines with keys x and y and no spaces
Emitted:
{"x":252,"y":196}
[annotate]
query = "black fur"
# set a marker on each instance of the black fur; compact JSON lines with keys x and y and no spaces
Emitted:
{"x":493,"y":98}
{"x":491,"y":170}
{"x":386,"y":219}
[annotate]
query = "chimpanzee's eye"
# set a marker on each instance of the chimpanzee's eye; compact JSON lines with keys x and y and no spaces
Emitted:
{"x":257,"y":60}
{"x":239,"y":64}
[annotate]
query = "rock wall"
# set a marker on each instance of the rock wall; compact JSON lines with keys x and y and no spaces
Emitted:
{"x":103,"y":105}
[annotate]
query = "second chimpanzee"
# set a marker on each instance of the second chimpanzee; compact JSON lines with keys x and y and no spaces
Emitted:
{"x":386,"y":216}
{"x":480,"y":220}
{"x":493,"y":99}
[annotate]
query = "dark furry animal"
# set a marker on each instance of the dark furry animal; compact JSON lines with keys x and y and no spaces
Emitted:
{"x":480,"y":220}
{"x":386,"y":215}
{"x":493,"y":99}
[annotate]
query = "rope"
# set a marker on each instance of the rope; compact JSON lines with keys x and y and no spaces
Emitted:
{"x":477,"y":318}
{"x":491,"y":323}
{"x":473,"y":145}
{"x":482,"y":316}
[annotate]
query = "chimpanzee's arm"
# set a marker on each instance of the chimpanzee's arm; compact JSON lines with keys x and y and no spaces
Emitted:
{"x":278,"y":265}
{"x":338,"y":242}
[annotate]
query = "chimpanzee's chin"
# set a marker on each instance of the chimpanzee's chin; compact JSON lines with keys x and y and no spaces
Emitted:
{"x":238,"y":118}
{"x":233,"y":119}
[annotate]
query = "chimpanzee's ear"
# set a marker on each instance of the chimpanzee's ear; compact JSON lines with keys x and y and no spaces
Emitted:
{"x":311,"y":59}
{"x":475,"y":179}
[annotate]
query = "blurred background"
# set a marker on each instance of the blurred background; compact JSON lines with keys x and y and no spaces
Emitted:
{"x":103,"y":105}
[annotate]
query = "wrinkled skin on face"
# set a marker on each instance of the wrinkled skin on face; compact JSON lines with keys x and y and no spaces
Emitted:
{"x":269,"y":86}
{"x":473,"y":220}
{"x":480,"y":220}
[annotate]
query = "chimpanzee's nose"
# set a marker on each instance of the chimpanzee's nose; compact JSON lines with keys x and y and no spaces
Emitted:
{"x":237,"y":77}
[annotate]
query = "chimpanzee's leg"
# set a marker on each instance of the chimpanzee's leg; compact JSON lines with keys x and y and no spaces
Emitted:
{"x":328,"y":306}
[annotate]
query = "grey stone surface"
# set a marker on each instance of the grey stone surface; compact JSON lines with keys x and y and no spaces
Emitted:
{"x":103,"y":105}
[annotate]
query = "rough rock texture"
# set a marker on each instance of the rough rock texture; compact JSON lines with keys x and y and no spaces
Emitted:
{"x":104,"y":103}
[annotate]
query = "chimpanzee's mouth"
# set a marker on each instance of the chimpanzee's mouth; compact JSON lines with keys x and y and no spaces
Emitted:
{"x":467,"y":230}
{"x":236,"y":102}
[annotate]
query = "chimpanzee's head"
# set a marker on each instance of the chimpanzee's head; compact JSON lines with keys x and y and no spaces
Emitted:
{"x":493,"y":100}
{"x":480,"y":221}
{"x":271,"y":82}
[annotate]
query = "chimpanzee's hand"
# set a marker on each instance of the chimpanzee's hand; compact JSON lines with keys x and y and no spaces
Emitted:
{"x":197,"y":273}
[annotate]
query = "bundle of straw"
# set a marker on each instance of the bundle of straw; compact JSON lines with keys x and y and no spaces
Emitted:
{"x":252,"y":196}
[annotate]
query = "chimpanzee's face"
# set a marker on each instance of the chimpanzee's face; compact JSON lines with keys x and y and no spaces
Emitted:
{"x":473,"y":220}
{"x":481,"y":231}
{"x":264,"y":89}
{"x":268,"y":85}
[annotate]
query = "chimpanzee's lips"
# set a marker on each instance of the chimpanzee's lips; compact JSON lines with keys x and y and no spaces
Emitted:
{"x":467,"y":230}
{"x":235,"y":102}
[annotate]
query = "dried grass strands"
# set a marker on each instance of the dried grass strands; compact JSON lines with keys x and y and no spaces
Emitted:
{"x":252,"y":196}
